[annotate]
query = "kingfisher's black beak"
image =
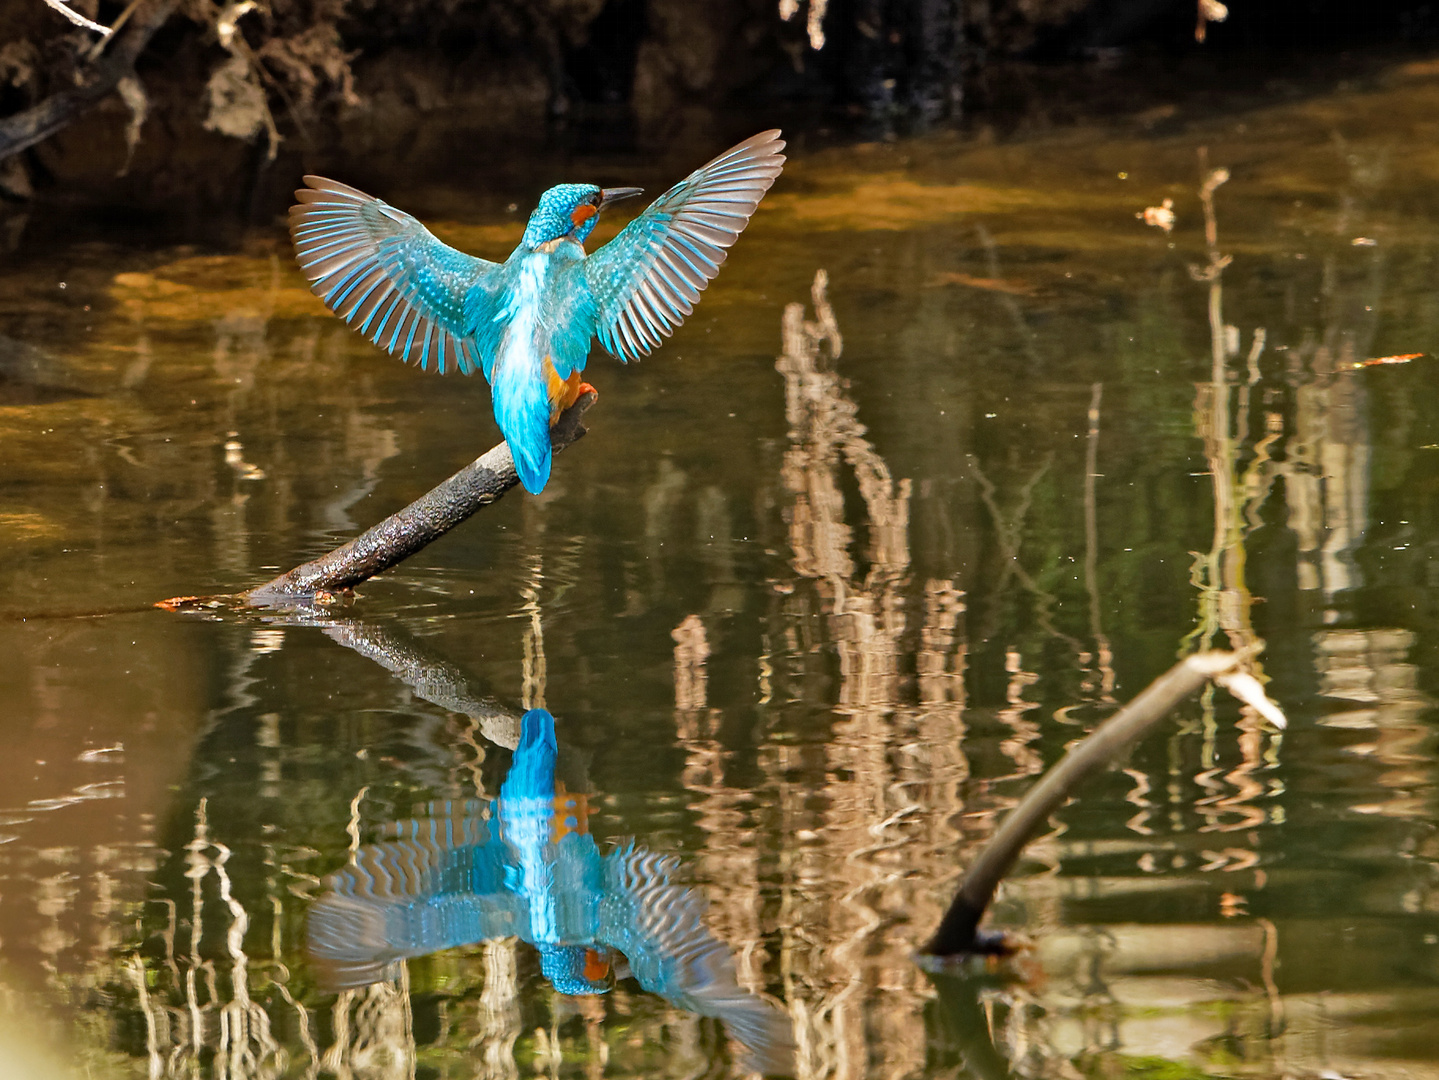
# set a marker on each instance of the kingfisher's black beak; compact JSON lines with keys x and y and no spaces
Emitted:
{"x":615,"y":194}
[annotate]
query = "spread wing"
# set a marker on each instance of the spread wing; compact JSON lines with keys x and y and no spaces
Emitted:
{"x":660,"y":928}
{"x":649,"y":277}
{"x":387,"y":275}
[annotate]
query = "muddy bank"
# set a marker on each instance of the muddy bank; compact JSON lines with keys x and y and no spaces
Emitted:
{"x":229,"y":103}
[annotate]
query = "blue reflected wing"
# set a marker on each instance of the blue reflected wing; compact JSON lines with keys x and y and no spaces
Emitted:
{"x":387,"y":275}
{"x":433,"y":884}
{"x":660,"y":928}
{"x":649,"y":277}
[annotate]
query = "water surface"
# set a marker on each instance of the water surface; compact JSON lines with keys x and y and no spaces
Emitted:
{"x":956,"y":454}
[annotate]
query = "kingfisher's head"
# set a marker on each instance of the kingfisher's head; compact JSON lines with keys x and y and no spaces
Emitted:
{"x":570,"y":212}
{"x":578,"y":969}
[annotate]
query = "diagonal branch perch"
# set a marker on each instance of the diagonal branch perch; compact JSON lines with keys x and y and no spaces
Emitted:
{"x":958,"y":932}
{"x":400,"y":535}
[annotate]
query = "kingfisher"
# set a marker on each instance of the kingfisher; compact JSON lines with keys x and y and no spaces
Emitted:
{"x":528,"y":322}
{"x":527,"y":866}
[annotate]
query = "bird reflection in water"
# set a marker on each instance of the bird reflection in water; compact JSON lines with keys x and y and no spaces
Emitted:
{"x":527,"y":867}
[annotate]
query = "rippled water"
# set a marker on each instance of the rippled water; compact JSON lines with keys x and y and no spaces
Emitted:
{"x":926,"y":485}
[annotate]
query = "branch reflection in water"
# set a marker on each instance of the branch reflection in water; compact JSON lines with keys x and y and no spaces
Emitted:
{"x":526,"y":866}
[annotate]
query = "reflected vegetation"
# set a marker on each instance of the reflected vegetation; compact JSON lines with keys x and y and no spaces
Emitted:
{"x":807,"y":625}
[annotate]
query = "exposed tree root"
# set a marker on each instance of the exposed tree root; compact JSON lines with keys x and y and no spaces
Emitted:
{"x":37,"y":123}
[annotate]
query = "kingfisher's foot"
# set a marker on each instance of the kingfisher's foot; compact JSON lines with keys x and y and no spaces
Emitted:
{"x":574,"y":390}
{"x":570,"y":391}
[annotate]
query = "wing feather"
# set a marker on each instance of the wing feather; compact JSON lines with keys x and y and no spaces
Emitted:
{"x":649,"y":277}
{"x":387,"y":275}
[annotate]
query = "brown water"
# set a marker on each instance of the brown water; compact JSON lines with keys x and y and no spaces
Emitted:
{"x":811,"y":607}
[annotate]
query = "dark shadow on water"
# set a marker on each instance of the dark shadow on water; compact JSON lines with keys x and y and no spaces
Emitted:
{"x":29,"y":376}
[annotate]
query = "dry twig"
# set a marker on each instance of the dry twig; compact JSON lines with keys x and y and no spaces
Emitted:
{"x":958,"y":934}
{"x":78,"y":19}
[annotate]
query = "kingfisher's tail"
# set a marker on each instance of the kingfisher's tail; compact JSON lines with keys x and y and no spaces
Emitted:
{"x":532,"y":774}
{"x":522,"y":409}
{"x":531,"y":452}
